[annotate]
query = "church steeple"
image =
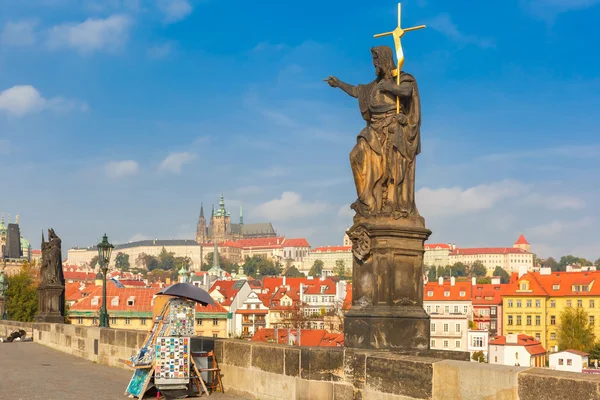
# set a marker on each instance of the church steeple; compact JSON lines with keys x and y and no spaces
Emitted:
{"x":241,"y":216}
{"x":201,"y":210}
{"x":201,"y":226}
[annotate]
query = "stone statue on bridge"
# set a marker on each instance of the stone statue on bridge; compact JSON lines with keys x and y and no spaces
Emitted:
{"x":51,"y":291}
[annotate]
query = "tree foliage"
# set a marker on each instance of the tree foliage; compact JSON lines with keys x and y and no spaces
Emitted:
{"x":256,"y":266}
{"x":574,"y":331}
{"x":21,"y":295}
{"x":484,"y":280}
{"x":504,"y":276}
{"x":293,"y":272}
{"x":550,"y":263}
{"x":340,"y":269}
{"x":478,"y":269}
{"x":570,"y":259}
{"x":122,"y":261}
{"x":93,"y":261}
{"x":478,"y":356}
{"x":224,"y":263}
{"x":595,"y":352}
{"x":431,"y":274}
{"x":316,"y":269}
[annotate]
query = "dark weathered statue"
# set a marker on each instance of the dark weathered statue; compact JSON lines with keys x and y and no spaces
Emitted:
{"x":51,"y":291}
{"x":51,"y":272}
{"x":383,"y":160}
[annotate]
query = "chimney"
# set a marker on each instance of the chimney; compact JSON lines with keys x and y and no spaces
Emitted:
{"x":473,"y":281}
{"x":522,"y":270}
{"x":452,"y":281}
{"x":545,"y":271}
{"x":441,"y":281}
{"x":284,"y":280}
{"x":301,"y":291}
{"x":496,"y":281}
{"x":205,"y":279}
{"x":512,"y":338}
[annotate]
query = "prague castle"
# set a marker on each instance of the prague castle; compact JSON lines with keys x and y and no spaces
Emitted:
{"x":220,"y":229}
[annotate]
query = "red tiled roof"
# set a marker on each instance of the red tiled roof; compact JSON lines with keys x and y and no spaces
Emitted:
{"x":433,"y":246}
{"x":577,"y":352}
{"x":36,"y":252}
{"x":251,"y":311}
{"x":348,"y":299}
{"x":216,"y":308}
{"x":274,"y":242}
{"x":332,"y":340}
{"x":79,"y":276}
{"x":521,"y":240}
{"x":227,"y":289}
{"x":487,"y":250}
{"x":544,"y":285}
{"x":522,"y":340}
{"x":487,"y":294}
{"x":437,"y":291}
{"x":230,"y":243}
{"x":330,"y":249}
{"x":298,"y":242}
{"x":535,"y":349}
{"x":132,"y":282}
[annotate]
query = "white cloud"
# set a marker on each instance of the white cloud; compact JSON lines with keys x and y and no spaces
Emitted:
{"x":20,"y":33}
{"x":160,"y":51}
{"x":345,"y":211}
{"x":94,"y":34}
{"x":267,"y":46}
{"x":174,"y":161}
{"x":443,"y":23}
{"x":457,"y":201}
{"x":137,"y":237}
{"x":555,"y":202}
{"x":557,"y":227}
{"x":121,"y":169}
{"x":274,"y":171}
{"x":24,"y":99}
{"x":175,"y":10}
{"x":289,"y":206}
{"x":549,"y":9}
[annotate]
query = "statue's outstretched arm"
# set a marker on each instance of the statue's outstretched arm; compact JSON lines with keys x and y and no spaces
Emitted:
{"x":335,"y":82}
{"x":405,"y":89}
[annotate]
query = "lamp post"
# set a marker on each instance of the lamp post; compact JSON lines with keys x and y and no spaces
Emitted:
{"x":104,"y":250}
{"x":3,"y":287}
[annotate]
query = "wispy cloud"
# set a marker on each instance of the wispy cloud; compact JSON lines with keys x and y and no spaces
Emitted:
{"x":175,"y":161}
{"x":549,"y":9}
{"x":121,"y":169}
{"x":25,"y":99}
{"x":288,"y":207}
{"x":558,"y":227}
{"x":268,"y":46}
{"x":160,"y":51}
{"x":443,"y":23}
{"x":19,"y":33}
{"x":92,"y":35}
{"x":577,"y":151}
{"x":175,"y":10}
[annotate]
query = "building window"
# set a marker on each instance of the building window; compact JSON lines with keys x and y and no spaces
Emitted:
{"x":446,"y":328}
{"x":538,"y":304}
{"x":143,"y":321}
{"x":509,"y":303}
{"x":457,"y":330}
{"x":455,"y":309}
{"x":215,"y":335}
{"x":552,"y":320}
{"x":569,"y":303}
{"x":591,"y":303}
{"x":592,"y":320}
{"x":538,"y":320}
{"x":430,"y":293}
{"x":553,"y":336}
{"x":579,"y":303}
{"x":432,"y":327}
{"x":529,"y":320}
{"x":215,"y":321}
{"x":518,"y":320}
{"x":94,"y":321}
{"x":518,"y":303}
{"x":493,"y":310}
{"x":457,"y":344}
{"x":561,"y":361}
{"x":428,"y":309}
{"x":445,"y":343}
{"x":510,"y":320}
{"x":495,"y":359}
{"x":477,"y":341}
{"x":80,"y":320}
{"x":447,"y":293}
{"x":528,"y":303}
{"x":537,"y":336}
{"x":127,"y":321}
{"x":113,"y":321}
{"x":493,"y":325}
{"x":466,"y":309}
{"x":447,"y":309}
{"x":198,"y":321}
{"x":432,"y":342}
{"x":437,"y":309}
{"x":523,"y":286}
{"x":569,"y":361}
{"x":462,"y":293}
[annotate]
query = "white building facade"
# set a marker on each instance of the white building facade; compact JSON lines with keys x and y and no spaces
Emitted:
{"x":569,"y":360}
{"x":329,"y":255}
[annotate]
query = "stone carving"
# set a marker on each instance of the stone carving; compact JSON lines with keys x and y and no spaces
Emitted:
{"x":383,"y":159}
{"x":361,"y":243}
{"x":51,"y":272}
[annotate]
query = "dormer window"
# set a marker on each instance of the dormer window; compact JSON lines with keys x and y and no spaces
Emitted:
{"x":430,"y":293}
{"x":556,"y":287}
{"x":115,"y":301}
{"x":447,"y":293}
{"x":95,"y":300}
{"x":462,"y":293}
{"x":323,"y":288}
{"x":131,"y":301}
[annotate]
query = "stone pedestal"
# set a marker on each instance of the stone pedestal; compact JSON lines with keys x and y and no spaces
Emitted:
{"x":387,"y":295}
{"x":51,"y":304}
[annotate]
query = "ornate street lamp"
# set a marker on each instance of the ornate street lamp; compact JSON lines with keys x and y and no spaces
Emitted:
{"x":104,"y":250}
{"x":3,"y":288}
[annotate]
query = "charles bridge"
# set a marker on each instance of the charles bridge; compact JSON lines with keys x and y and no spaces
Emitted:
{"x":270,"y":371}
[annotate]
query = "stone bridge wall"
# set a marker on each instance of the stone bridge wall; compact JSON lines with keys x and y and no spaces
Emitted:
{"x":269,"y":371}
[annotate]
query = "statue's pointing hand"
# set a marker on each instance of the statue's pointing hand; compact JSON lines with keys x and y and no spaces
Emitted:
{"x":333,"y":81}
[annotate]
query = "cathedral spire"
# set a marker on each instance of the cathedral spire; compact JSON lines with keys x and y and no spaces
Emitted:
{"x":212,"y":214}
{"x":201,"y":210}
{"x":241,"y":216}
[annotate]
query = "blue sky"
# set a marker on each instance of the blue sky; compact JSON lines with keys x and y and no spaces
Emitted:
{"x":121,"y":116}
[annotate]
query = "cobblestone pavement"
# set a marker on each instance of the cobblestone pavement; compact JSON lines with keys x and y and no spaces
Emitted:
{"x":30,"y":371}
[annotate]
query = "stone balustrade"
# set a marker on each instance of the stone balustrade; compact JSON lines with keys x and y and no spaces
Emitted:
{"x":270,"y":371}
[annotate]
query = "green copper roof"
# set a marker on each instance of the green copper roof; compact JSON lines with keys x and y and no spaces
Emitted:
{"x":182,"y":271}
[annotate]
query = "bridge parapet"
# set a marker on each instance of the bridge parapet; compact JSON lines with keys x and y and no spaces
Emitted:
{"x":271,"y":371}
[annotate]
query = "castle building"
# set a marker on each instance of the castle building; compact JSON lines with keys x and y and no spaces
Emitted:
{"x":14,"y":249}
{"x":220,"y":228}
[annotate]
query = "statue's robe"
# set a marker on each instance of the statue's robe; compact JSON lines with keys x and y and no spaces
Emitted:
{"x":383,"y":159}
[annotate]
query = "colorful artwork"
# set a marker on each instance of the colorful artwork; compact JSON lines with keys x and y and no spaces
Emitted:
{"x":139,"y":382}
{"x":181,"y":318}
{"x":172,"y":365}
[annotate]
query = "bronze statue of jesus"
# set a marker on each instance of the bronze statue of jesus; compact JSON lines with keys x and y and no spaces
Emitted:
{"x":383,"y":159}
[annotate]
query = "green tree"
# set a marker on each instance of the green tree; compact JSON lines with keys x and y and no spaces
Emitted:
{"x":597,"y":262}
{"x":504,"y":276}
{"x":259,"y":266}
{"x":550,"y":263}
{"x":478,"y":269}
{"x":442,"y":271}
{"x":595,"y":352}
{"x":316,"y":269}
{"x":166,"y":260}
{"x":93,"y":262}
{"x":158,"y":274}
{"x":484,"y":280}
{"x":458,"y":269}
{"x":21,"y":295}
{"x":478,"y":356}
{"x":122,"y":261}
{"x":293,"y":272}
{"x":568,"y":260}
{"x":340,"y":269}
{"x":574,"y":331}
{"x":431,"y":274}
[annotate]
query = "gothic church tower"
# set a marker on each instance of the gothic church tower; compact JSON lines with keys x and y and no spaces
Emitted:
{"x":201,"y":229}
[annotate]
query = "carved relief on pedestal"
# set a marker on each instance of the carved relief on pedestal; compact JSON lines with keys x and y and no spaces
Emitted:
{"x":361,"y":242}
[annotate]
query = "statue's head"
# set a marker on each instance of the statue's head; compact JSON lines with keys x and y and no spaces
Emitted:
{"x":383,"y":60}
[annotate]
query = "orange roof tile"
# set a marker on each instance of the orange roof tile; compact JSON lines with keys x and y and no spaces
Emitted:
{"x":79,"y":276}
{"x":330,"y":249}
{"x":522,"y":340}
{"x":433,"y":246}
{"x":487,"y":294}
{"x":487,"y":250}
{"x":556,"y":284}
{"x":274,"y":242}
{"x":297,"y":242}
{"x":435,"y":292}
{"x":348,"y":299}
{"x":228,"y":289}
{"x":521,"y":240}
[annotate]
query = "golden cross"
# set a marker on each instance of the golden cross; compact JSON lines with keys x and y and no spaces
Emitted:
{"x":397,"y":34}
